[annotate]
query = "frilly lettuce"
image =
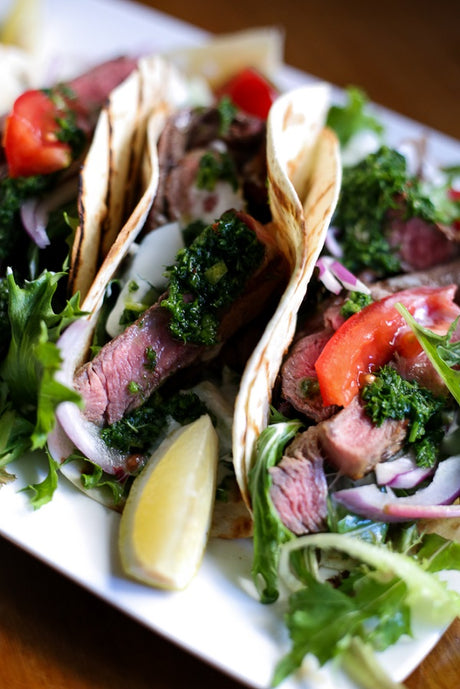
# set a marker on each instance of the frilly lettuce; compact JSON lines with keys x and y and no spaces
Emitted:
{"x":29,"y":393}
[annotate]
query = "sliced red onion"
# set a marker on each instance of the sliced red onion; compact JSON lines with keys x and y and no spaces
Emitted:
{"x":335,"y":276}
{"x":83,"y":434}
{"x":34,"y":217}
{"x":327,"y":277}
{"x":401,"y":473}
{"x":35,"y":212}
{"x":372,"y":503}
{"x":331,"y":243}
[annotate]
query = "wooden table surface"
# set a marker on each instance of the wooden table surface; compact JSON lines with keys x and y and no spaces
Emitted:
{"x":406,"y":55}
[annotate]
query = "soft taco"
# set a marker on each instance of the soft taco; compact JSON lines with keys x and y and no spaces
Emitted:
{"x":213,"y":164}
{"x":357,"y":459}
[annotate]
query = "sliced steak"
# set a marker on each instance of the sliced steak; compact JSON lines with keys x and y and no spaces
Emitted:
{"x":299,"y":382}
{"x":186,"y":201}
{"x":195,"y":131}
{"x":123,"y":374}
{"x":354,"y":445}
{"x":419,"y":244}
{"x":299,"y":488}
{"x":94,"y":86}
{"x":439,"y":276}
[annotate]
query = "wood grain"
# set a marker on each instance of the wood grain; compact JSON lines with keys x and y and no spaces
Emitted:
{"x":55,"y":635}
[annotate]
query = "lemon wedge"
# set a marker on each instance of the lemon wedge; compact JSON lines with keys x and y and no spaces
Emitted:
{"x":165,"y":523}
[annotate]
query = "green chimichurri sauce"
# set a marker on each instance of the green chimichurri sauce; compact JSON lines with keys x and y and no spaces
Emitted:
{"x":208,"y":276}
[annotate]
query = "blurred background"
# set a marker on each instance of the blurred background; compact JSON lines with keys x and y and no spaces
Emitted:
{"x":405,"y":55}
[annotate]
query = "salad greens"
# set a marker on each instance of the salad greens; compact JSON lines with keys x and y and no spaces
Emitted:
{"x":372,"y":605}
{"x":367,"y":603}
{"x":353,"y":117}
{"x":269,"y":531}
{"x":29,"y":391}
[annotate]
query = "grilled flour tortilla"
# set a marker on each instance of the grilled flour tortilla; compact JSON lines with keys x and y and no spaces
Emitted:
{"x":304,"y":174}
{"x":279,"y":239}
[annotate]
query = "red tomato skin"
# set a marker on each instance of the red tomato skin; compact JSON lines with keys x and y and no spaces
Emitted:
{"x":30,"y":137}
{"x":369,"y":339}
{"x":250,"y":91}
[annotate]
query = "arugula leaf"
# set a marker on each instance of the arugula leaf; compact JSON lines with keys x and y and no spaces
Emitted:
{"x":323,"y":620}
{"x":269,"y":531}
{"x":373,"y":604}
{"x":438,"y":553}
{"x":442,"y":353}
{"x":361,"y":666}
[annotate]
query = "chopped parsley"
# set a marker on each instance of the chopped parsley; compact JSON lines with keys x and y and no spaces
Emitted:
{"x":390,"y":396}
{"x":69,"y":132}
{"x":139,"y":429}
{"x":208,"y":276}
{"x":370,"y":189}
{"x":227,"y":111}
{"x":355,"y":302}
{"x":214,"y":167}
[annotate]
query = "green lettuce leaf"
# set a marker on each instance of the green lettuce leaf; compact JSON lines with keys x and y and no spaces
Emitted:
{"x":29,"y":393}
{"x":43,"y":492}
{"x":352,"y":118}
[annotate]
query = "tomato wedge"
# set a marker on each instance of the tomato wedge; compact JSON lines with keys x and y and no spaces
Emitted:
{"x":250,"y":91}
{"x":369,"y":338}
{"x":31,"y":139}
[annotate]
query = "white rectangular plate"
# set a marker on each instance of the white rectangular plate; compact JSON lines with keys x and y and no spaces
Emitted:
{"x":218,"y":617}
